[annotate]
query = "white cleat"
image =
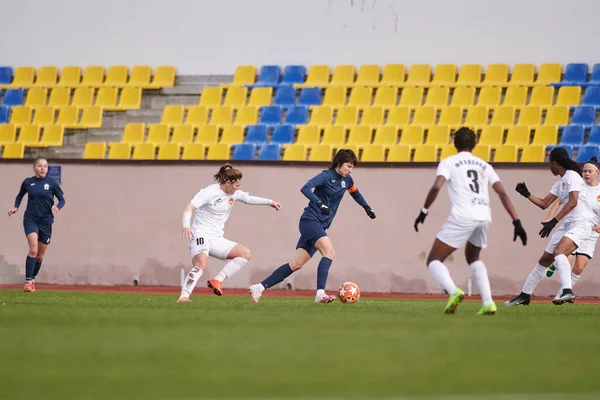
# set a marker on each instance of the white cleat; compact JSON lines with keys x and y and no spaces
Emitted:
{"x":324,"y":298}
{"x":256,"y":292}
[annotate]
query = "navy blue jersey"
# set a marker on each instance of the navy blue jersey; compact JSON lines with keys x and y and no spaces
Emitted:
{"x":41,"y":192}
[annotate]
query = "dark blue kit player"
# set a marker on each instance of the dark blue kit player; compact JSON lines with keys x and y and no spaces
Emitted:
{"x":325,"y":192}
{"x":38,"y":217}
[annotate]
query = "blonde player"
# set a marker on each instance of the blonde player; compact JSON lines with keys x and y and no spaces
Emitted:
{"x":470,"y":217}
{"x":210,"y":209}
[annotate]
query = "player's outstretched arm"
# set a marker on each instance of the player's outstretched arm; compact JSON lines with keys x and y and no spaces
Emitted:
{"x":553,"y":210}
{"x":186,"y":220}
{"x":358,"y":197}
{"x":18,"y":199}
{"x":571,"y":204}
{"x":544,"y":203}
{"x":307,"y":191}
{"x":431,"y":196}
{"x":258,"y":201}
{"x":519,"y":232}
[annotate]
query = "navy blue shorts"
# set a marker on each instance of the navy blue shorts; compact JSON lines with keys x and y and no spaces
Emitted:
{"x":310,"y":232}
{"x":43,"y":229}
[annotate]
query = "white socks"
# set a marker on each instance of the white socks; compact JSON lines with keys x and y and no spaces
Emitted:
{"x":320,"y":292}
{"x":561,"y":262}
{"x":190,"y":282}
{"x":480,"y":275}
{"x":231,"y":268}
{"x":442,"y":276}
{"x":574,"y":279}
{"x":534,"y":278}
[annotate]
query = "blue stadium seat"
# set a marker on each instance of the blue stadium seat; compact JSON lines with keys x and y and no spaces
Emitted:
{"x":586,"y":153}
{"x":310,"y":97}
{"x":591,"y":97}
{"x":584,"y":115}
{"x":13,"y":97}
{"x":595,"y":79}
{"x":285,"y":96}
{"x":5,"y":75}
{"x":567,"y":147}
{"x":3,"y":114}
{"x":594,"y":135}
{"x":268,"y":76}
{"x":575,"y":75}
{"x":271,"y":115}
{"x":257,"y":134}
{"x":270,"y":152}
{"x":244,"y":151}
{"x":572,"y":135}
{"x":297,"y":115}
{"x":283,"y":134}
{"x":293,"y":74}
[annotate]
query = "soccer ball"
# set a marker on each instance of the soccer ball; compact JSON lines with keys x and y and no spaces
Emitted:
{"x":349,"y":292}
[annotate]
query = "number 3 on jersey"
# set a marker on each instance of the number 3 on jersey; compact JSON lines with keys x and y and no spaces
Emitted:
{"x":474,"y":186}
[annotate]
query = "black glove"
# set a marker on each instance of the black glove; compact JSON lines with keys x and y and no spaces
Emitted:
{"x":370,"y":212}
{"x":323,"y":207}
{"x":522,"y":189}
{"x":519,"y":232}
{"x":420,"y":219}
{"x":548,"y":226}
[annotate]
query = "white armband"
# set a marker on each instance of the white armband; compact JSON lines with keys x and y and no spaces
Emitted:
{"x":187,"y":216}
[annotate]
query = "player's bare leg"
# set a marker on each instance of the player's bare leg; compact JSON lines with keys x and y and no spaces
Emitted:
{"x":480,"y":275}
{"x":435,"y":263}
{"x":199,"y":262}
{"x":325,"y":247}
{"x":239,"y":257}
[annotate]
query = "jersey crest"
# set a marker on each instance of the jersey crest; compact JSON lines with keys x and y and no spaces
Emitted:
{"x":46,"y":186}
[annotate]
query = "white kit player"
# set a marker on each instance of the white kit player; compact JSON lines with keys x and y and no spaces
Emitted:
{"x":470,"y":217}
{"x":210,"y":209}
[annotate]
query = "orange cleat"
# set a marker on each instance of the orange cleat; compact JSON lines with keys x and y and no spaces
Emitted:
{"x":215,"y":286}
{"x":29,"y":287}
{"x":183,"y":300}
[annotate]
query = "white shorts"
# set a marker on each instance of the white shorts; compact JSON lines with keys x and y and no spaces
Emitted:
{"x":456,"y":234}
{"x":584,"y":237}
{"x":215,"y":247}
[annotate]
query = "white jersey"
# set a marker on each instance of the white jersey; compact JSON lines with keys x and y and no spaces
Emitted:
{"x":592,"y":195}
{"x":468,"y":178}
{"x":572,"y":182}
{"x":213,"y":207}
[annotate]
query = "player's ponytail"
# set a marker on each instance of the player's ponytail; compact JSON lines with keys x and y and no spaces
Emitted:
{"x":228,"y":173}
{"x":561,"y":157}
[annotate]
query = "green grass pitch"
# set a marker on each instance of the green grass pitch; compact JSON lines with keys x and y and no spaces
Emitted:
{"x":77,"y":345}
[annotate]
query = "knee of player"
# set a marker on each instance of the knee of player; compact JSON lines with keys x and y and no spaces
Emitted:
{"x":295,"y":266}
{"x":471,"y":259}
{"x":33,"y":253}
{"x":247,"y":254}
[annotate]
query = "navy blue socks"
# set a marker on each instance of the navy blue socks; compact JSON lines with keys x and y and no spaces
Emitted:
{"x":29,"y":268}
{"x":323,"y":272}
{"x":277,"y":276}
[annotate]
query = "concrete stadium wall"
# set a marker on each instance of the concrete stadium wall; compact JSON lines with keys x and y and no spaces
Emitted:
{"x":122,"y":222}
{"x":213,"y":37}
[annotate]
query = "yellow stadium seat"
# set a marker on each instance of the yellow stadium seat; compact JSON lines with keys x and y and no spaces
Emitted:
{"x":372,"y":116}
{"x":169,"y":151}
{"x":93,"y":77}
{"x":236,"y":97}
{"x":83,"y":96}
{"x":164,"y":77}
{"x":36,"y":97}
{"x":482,"y":151}
{"x":321,"y":115}
{"x":368,"y":75}
{"x":130,"y":99}
{"x":447,"y":151}
{"x":158,"y":133}
{"x":334,"y":135}
{"x":360,"y":135}
{"x":172,"y":115}
{"x":335,"y":96}
{"x":46,"y":76}
{"x":218,"y":151}
{"x":14,"y":150}
{"x":506,"y":153}
{"x":515,"y":96}
{"x":20,"y":115}
{"x":244,"y":75}
{"x":530,"y":115}
{"x":545,"y":135}
{"x":117,"y":77}
{"x":321,"y":152}
{"x":503,"y":116}
{"x":386,"y":135}
{"x":491,"y":136}
{"x":70,"y":77}
{"x":518,"y":135}
{"x":568,"y":96}
{"x":260,"y":96}
{"x":183,"y":134}
{"x":542,"y":96}
{"x":294,"y":152}
{"x":222,"y":116}
{"x":246,"y":116}
{"x":426,"y":153}
{"x":489,"y":96}
{"x":451,"y":116}
{"x":437,"y":96}
{"x":557,"y":115}
{"x":444,"y":75}
{"x":354,"y":147}
{"x":463,"y":96}
{"x":309,"y":135}
{"x":347,"y":116}
{"x":197,"y":115}
{"x":134,"y":133}
{"x":411,"y":96}
{"x":533,"y":154}
{"x":232,"y":134}
{"x":399,"y":116}
{"x":418,"y":75}
{"x":207,"y":134}
{"x":360,"y":97}
{"x":412,"y":135}
{"x":477,"y":116}
{"x":438,"y":135}
{"x":399,"y":153}
{"x":318,"y":76}
{"x":496,"y":75}
{"x":393,"y":75}
{"x":343,"y":75}
{"x":140,"y":76}
{"x":469,"y":75}
{"x":60,"y":97}
{"x":144,"y":151}
{"x":424,"y":116}
{"x":94,"y":151}
{"x":211,"y":97}
{"x":53,"y":135}
{"x":91,"y":117}
{"x":193,"y":151}
{"x":8,"y":133}
{"x":548,"y":74}
{"x":522,"y":75}
{"x":373,"y":153}
{"x":386,"y":97}
{"x":29,"y":135}
{"x":107,"y":98}
{"x":23,"y":77}
{"x":68,"y":116}
{"x":44,"y":115}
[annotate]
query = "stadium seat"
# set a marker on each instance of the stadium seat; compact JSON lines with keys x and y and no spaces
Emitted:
{"x":293,"y":74}
{"x":244,"y":75}
{"x":426,"y":153}
{"x":343,"y":75}
{"x":545,"y":135}
{"x":386,"y":136}
{"x":169,"y":151}
{"x":569,"y":96}
{"x":60,"y":97}
{"x":386,"y":97}
{"x":158,"y":133}
{"x":193,"y":151}
{"x":52,"y":135}
{"x":207,"y":134}
{"x":183,"y":134}
{"x":575,"y":75}
{"x":360,"y":97}
{"x":335,"y":96}
{"x":368,"y":75}
{"x":438,"y":135}
{"x":533,"y":153}
{"x":310,"y":97}
{"x":411,"y":96}
{"x":3,"y":114}
{"x":483,"y":151}
{"x":268,"y":76}
{"x":29,"y":135}
{"x":133,"y":133}
{"x":271,"y":115}
{"x":437,"y":96}
{"x":591,"y":97}
{"x":14,"y":150}
{"x":107,"y":98}
{"x":503,"y":116}
{"x":586,"y":153}
{"x":334,"y":135}
{"x":13,"y":97}
{"x":372,"y":116}
{"x":309,"y":135}
{"x":496,"y":75}
{"x":297,"y":115}
{"x":477,"y":116}
{"x":261,"y":96}
{"x":572,"y":135}
{"x":246,"y":116}
{"x":568,"y":148}
{"x":318,"y":76}
{"x":393,"y":75}
{"x":490,"y":96}
{"x":373,"y":153}
{"x":245,"y":151}
{"x":347,"y":116}
{"x":130,"y":99}
{"x":491,"y":136}
{"x":172,"y":115}
{"x":83,"y":96}
{"x":557,"y":115}
{"x":93,"y":76}
{"x":412,"y":135}
{"x":94,"y":151}
{"x":197,"y":115}
{"x":515,"y":96}
{"x":321,"y":115}
{"x":469,"y":75}
{"x":5,"y":76}
{"x":548,"y":73}
{"x":270,"y":152}
{"x":117,"y":77}
{"x":283,"y":134}
{"x":522,"y":75}
{"x":360,"y":135}
{"x":23,"y":78}
{"x":444,"y":75}
{"x":144,"y":151}
{"x":542,"y":96}
{"x":506,"y":153}
{"x":530,"y":115}
{"x":451,"y":116}
{"x":418,"y":75}
{"x":222,"y":115}
{"x":399,"y":116}
{"x":595,"y":78}
{"x":236,"y":97}
{"x":321,"y":152}
{"x":232,"y":134}
{"x":164,"y":77}
{"x":44,"y":115}
{"x":36,"y":97}
{"x":257,"y":134}
{"x":211,"y":97}
{"x":8,"y":133}
{"x":399,"y":153}
{"x":68,"y":116}
{"x":294,"y":152}
{"x":518,"y":135}
{"x":594,"y":137}
{"x":463,"y":96}
{"x":70,"y":77}
{"x":140,"y":77}
{"x":218,"y":151}
{"x":20,"y":115}
{"x":447,"y":151}
{"x":91,"y":117}
{"x":424,"y":116}
{"x":584,"y":115}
